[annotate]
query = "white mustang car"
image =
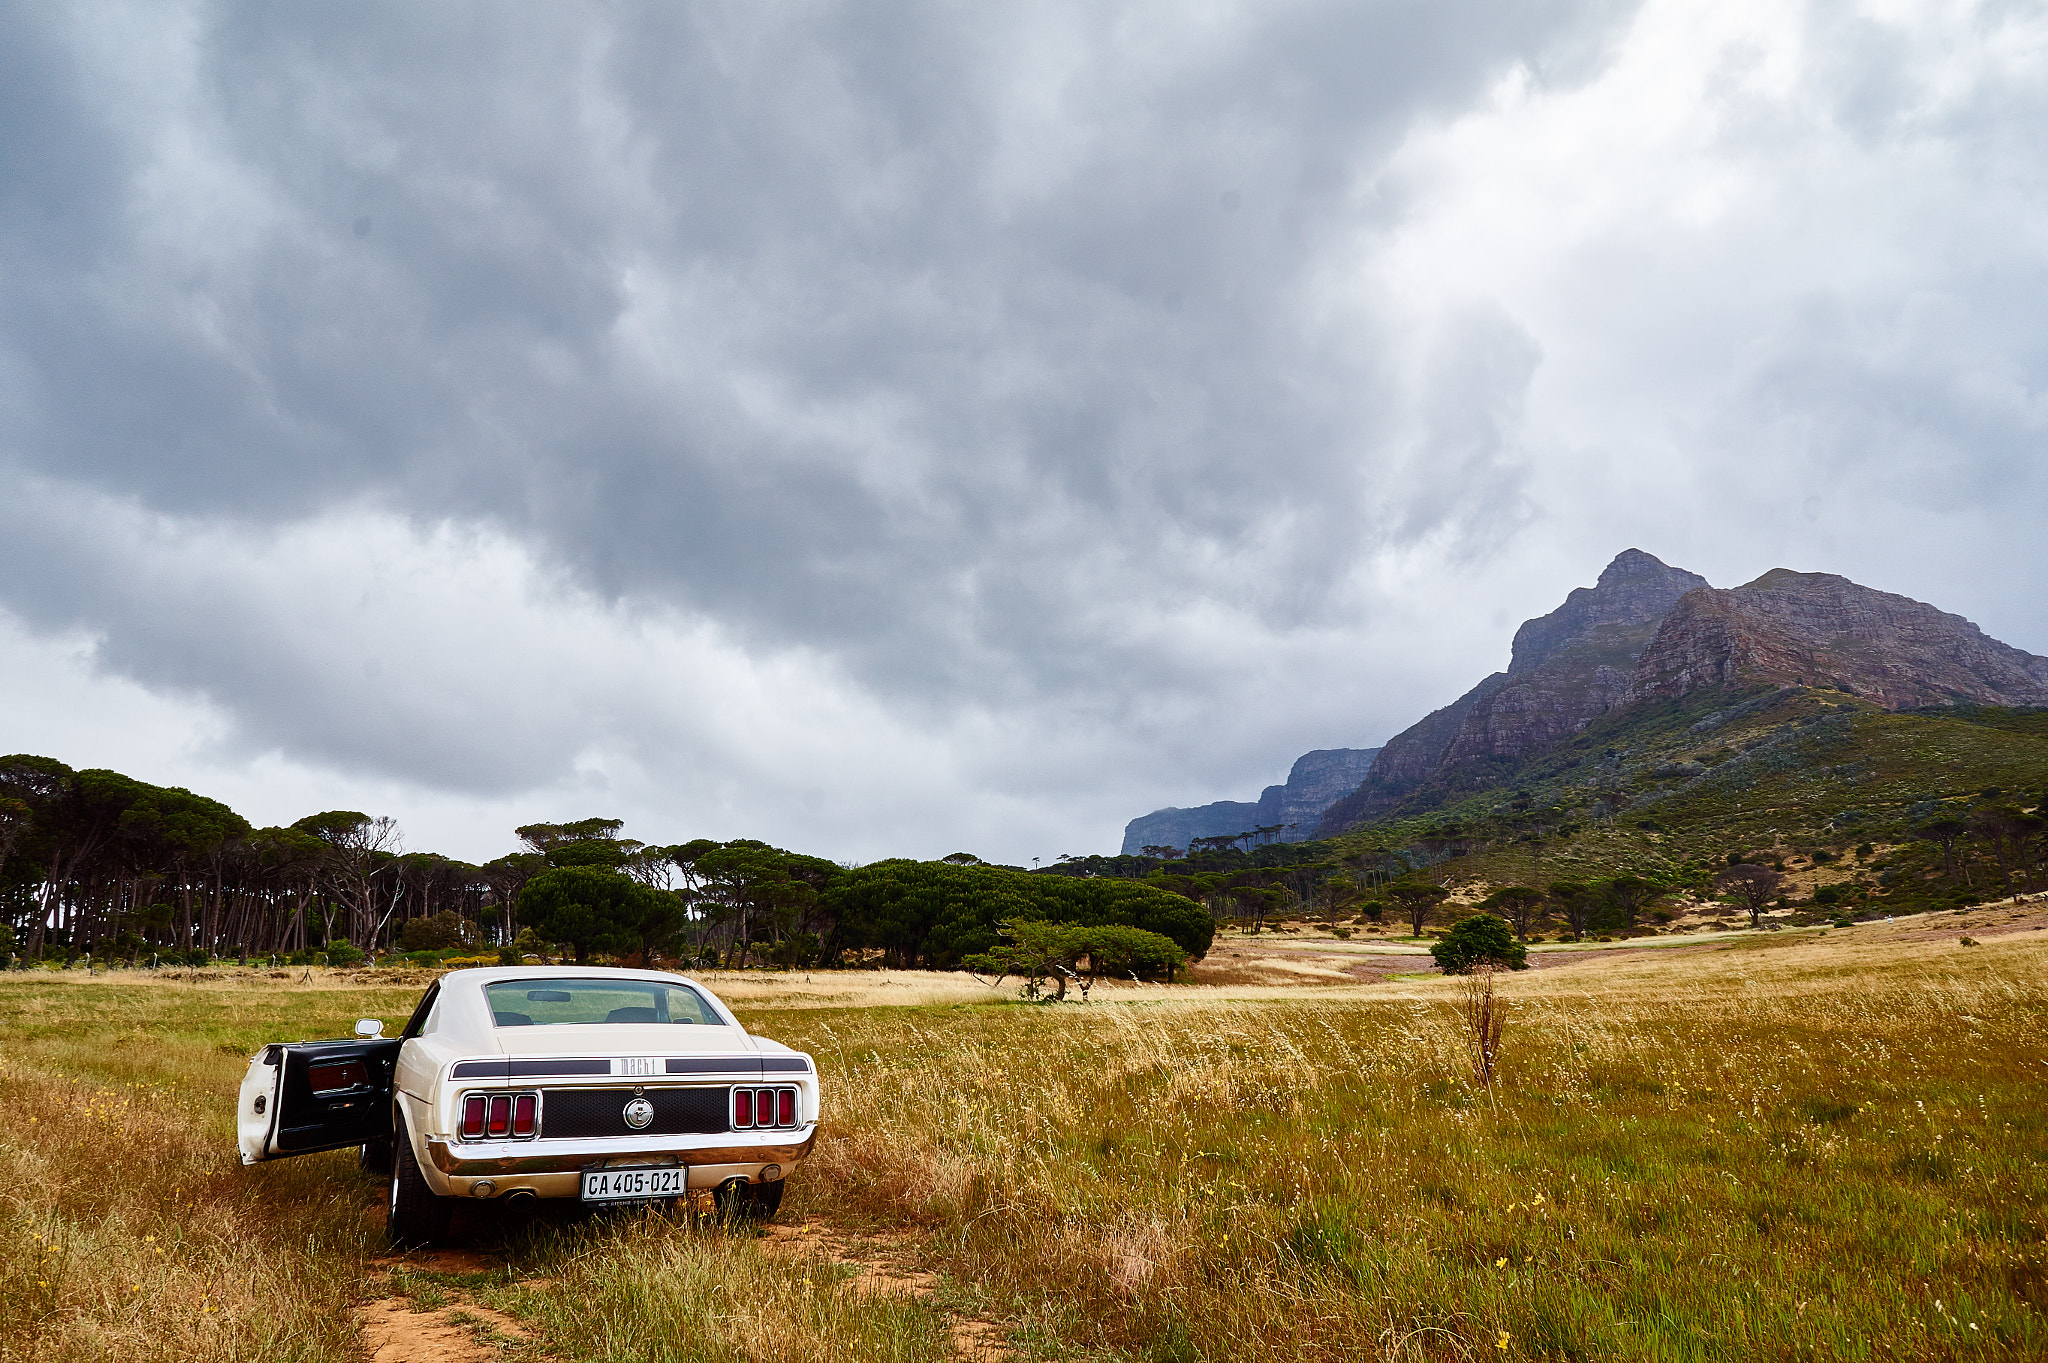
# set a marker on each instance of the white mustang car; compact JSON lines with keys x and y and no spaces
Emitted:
{"x":530,"y":1082}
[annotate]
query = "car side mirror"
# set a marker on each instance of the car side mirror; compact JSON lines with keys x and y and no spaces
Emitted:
{"x":369,"y":1029}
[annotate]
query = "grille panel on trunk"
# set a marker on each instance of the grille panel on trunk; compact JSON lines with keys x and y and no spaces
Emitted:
{"x":571,"y":1114}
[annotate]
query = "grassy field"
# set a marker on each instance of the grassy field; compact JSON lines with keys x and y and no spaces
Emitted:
{"x":1797,"y":1146}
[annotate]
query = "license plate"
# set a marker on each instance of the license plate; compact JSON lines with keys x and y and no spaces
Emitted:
{"x":634,"y":1185}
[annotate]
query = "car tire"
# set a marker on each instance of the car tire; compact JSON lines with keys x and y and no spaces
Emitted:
{"x":748,"y":1201}
{"x":375,"y":1157}
{"x":417,"y":1217}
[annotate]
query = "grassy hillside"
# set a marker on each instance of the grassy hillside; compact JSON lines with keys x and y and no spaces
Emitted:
{"x":1670,"y":789}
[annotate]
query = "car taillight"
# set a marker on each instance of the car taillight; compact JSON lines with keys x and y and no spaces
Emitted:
{"x":501,"y":1116}
{"x":785,"y":1108}
{"x":742,"y":1107}
{"x":522,"y":1114}
{"x":472,"y":1117}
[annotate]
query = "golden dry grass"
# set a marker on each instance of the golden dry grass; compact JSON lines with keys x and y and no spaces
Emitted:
{"x":1810,"y":1146}
{"x":1824,"y":1147}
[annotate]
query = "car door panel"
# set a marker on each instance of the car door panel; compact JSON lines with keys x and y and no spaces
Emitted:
{"x":256,"y":1108}
{"x":316,"y":1095}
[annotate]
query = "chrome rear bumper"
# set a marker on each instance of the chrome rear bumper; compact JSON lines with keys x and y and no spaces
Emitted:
{"x":562,"y":1157}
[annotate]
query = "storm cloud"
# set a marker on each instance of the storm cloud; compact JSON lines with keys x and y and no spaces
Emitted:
{"x":890,"y":428}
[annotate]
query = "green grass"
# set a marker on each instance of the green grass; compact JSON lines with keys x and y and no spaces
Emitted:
{"x":1831,"y":1149}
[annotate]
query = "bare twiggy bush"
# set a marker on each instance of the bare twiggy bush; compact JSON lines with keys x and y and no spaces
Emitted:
{"x":1485,"y":1015}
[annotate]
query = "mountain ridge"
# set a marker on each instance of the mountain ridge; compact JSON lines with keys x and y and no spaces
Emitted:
{"x":1315,"y":781}
{"x":1648,"y":632}
{"x":1823,"y":629}
{"x":1566,"y":668}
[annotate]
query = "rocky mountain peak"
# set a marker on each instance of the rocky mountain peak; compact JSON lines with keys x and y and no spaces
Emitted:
{"x":1634,"y":590}
{"x":1568,"y":667}
{"x":1636,"y":566}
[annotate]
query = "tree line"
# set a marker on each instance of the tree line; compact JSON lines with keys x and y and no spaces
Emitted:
{"x":95,"y":862}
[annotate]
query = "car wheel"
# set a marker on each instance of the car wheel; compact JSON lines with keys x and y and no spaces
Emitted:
{"x":375,"y":1157}
{"x":748,"y":1201}
{"x":417,"y":1217}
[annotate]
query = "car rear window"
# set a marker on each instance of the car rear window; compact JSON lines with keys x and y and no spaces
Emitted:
{"x":567,"y":1002}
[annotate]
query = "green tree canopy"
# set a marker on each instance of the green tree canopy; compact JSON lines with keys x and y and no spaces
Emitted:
{"x":544,"y":838}
{"x":179,"y":821}
{"x":1517,"y":904}
{"x":1627,"y":895}
{"x":766,"y":894}
{"x":333,"y":826}
{"x":1037,"y":950}
{"x":1416,"y":900}
{"x":597,"y":910}
{"x":1576,"y":899}
{"x":1482,"y":937}
{"x":936,"y":914}
{"x":1751,"y":888}
{"x":1125,"y":952}
{"x":591,"y":852}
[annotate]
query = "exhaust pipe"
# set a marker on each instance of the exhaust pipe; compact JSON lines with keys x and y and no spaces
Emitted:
{"x":521,"y":1197}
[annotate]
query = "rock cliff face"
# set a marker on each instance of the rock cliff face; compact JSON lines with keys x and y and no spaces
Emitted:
{"x":1316,"y":781}
{"x":1173,"y":827}
{"x":1822,"y":630}
{"x":1649,"y":631}
{"x":1567,"y":667}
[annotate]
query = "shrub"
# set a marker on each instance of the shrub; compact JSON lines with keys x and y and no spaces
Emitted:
{"x":1114,"y":950}
{"x":1482,"y":937}
{"x":344,"y":953}
{"x":1039,"y":951}
{"x":799,"y":949}
{"x":937,"y":914}
{"x":439,"y":933}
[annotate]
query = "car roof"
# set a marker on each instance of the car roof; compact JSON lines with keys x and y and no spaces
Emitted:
{"x":482,"y":975}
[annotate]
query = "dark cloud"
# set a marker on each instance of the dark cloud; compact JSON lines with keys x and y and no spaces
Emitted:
{"x":843,"y":324}
{"x":1124,"y":373}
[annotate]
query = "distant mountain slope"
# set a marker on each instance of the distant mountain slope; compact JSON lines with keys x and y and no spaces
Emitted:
{"x":1825,"y":630}
{"x":1172,"y":827}
{"x":1831,"y":785}
{"x":1567,"y":668}
{"x":1651,"y":634}
{"x":1316,"y":780}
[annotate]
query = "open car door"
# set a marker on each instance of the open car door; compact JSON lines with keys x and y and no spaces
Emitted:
{"x":299,"y":1097}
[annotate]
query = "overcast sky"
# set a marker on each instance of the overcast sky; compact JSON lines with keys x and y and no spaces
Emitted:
{"x":893,"y":429}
